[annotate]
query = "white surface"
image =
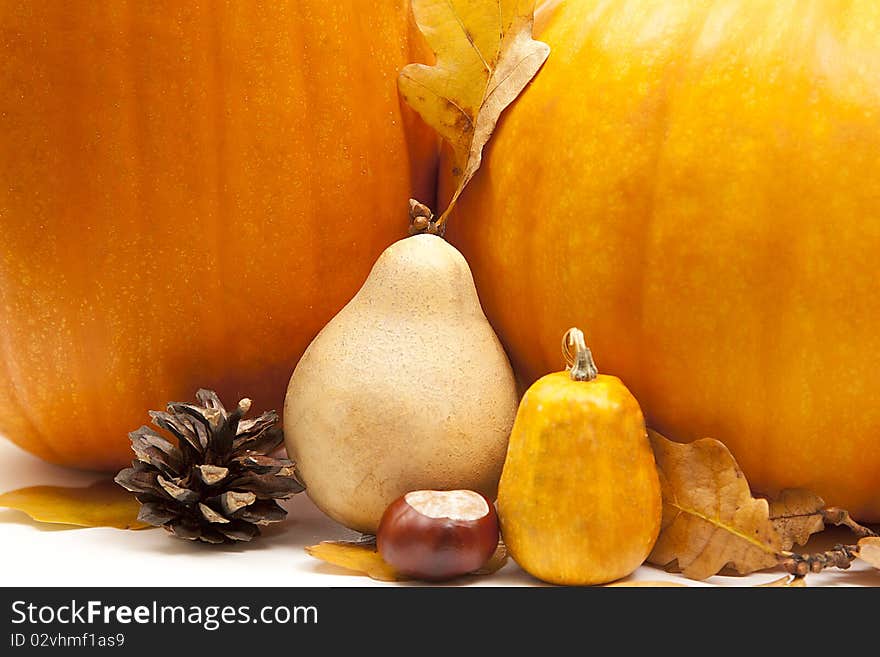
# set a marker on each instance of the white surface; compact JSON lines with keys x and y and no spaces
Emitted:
{"x":37,"y":554}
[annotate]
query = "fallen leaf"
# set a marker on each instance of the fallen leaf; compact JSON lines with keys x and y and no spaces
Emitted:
{"x":360,"y":557}
{"x":363,"y":557}
{"x":646,"y":584}
{"x":103,"y":504}
{"x":869,"y":551}
{"x":485,"y":56}
{"x":789,"y":581}
{"x":797,"y":514}
{"x":710,"y":518}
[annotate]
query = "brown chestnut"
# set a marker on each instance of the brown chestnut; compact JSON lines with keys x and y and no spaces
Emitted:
{"x":437,"y":535}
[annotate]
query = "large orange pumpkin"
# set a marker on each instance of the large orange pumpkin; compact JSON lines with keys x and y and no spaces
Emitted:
{"x":697,"y":184}
{"x":188,"y":192}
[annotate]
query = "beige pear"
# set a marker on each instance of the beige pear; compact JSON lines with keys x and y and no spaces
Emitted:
{"x":407,"y":388}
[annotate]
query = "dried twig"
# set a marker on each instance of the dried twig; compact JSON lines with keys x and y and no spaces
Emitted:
{"x":840,"y":556}
{"x":840,"y":517}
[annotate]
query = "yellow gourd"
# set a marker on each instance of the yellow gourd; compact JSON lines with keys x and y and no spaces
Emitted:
{"x":579,"y":499}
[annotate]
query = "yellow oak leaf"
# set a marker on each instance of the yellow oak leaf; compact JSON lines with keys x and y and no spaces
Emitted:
{"x":789,"y":581}
{"x":485,"y":56}
{"x":710,"y":519}
{"x":103,"y":504}
{"x":363,"y":557}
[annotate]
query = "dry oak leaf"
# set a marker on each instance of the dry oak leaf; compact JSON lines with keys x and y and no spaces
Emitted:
{"x":103,"y":504}
{"x":710,"y":519}
{"x":869,"y":550}
{"x":485,"y":56}
{"x":789,"y":581}
{"x":797,"y":514}
{"x":362,"y":557}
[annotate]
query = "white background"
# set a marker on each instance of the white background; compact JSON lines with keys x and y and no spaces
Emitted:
{"x":37,"y":554}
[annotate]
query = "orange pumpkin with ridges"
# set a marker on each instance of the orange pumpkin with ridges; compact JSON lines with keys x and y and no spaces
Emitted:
{"x":188,"y":192}
{"x":696,"y":183}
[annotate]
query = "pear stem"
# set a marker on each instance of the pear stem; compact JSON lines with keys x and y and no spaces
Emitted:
{"x":578,"y":357}
{"x":423,"y":220}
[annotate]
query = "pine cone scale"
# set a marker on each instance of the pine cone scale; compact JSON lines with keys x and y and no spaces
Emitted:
{"x":259,"y":464}
{"x":212,"y":516}
{"x":140,"y":482}
{"x":179,"y":493}
{"x":232,"y":501}
{"x":186,"y":528}
{"x":263,"y":512}
{"x":211,"y":475}
{"x":268,"y":486}
{"x":185,"y":435}
{"x":155,"y":513}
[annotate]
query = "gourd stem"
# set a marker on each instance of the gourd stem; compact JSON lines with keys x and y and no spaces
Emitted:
{"x":578,"y":357}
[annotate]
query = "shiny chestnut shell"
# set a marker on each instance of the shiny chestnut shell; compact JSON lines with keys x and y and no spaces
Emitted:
{"x":439,"y":546}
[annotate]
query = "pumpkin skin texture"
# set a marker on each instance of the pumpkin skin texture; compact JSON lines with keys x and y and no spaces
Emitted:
{"x":188,"y":192}
{"x":703,"y":198}
{"x":579,"y":499}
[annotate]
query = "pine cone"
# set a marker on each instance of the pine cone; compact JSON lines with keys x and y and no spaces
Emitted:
{"x":218,"y":484}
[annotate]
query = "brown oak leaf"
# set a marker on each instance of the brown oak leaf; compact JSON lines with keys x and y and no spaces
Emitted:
{"x":797,"y":514}
{"x":710,"y":519}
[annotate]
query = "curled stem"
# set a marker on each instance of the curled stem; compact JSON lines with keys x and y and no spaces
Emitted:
{"x":578,"y":357}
